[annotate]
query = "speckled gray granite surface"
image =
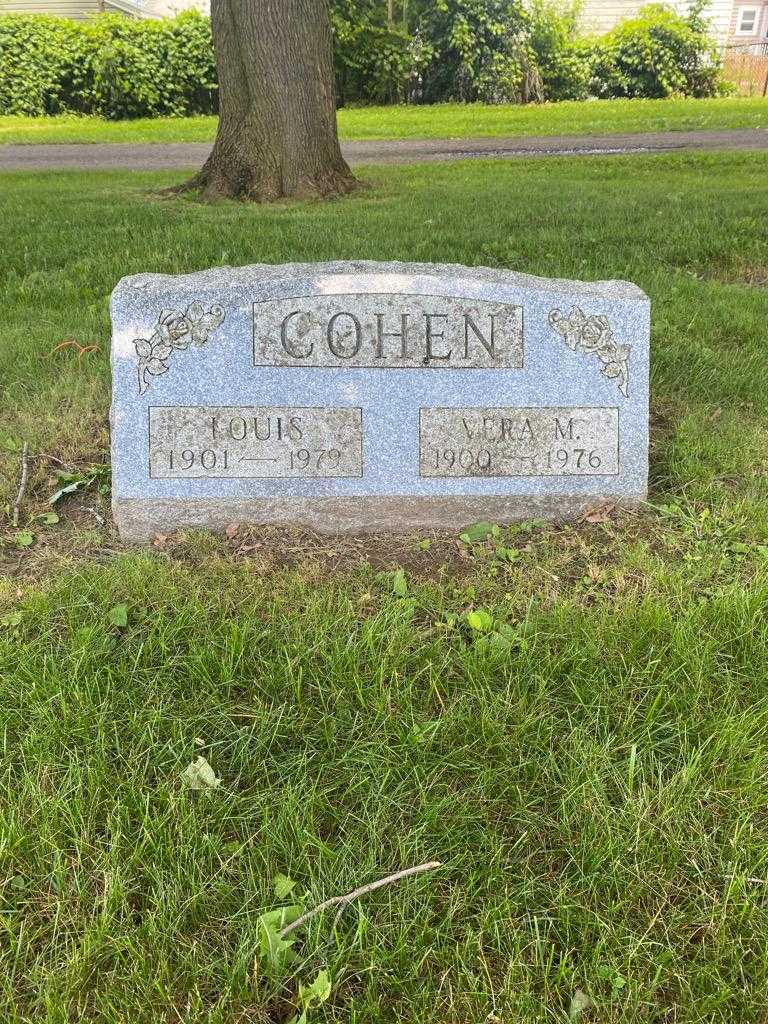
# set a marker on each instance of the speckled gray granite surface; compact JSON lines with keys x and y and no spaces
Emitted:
{"x":358,"y":395}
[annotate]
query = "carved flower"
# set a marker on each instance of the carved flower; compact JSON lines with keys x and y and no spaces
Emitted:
{"x":173,"y":328}
{"x":201,"y":323}
{"x":596,"y":334}
{"x":593,"y":335}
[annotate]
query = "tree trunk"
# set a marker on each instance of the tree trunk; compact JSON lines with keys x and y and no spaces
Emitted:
{"x":277,"y":113}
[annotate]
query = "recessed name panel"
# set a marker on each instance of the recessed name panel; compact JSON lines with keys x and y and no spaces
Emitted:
{"x":506,"y":442}
{"x":387,"y":331}
{"x":233,"y":442}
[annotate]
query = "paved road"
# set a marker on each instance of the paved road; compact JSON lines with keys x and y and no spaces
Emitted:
{"x":185,"y":155}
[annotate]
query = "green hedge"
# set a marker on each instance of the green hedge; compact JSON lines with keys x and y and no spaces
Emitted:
{"x":659,"y":53}
{"x":110,"y":65}
{"x":486,"y":50}
{"x":564,"y":61}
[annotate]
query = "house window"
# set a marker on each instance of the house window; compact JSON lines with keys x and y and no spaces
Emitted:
{"x":747,"y":21}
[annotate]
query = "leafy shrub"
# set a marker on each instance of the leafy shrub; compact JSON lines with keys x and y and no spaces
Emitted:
{"x":146,"y":68}
{"x":564,"y":60}
{"x":659,"y":53}
{"x":373,"y":61}
{"x":112,"y":66}
{"x":479,"y":51}
{"x":492,"y":51}
{"x":40,"y":61}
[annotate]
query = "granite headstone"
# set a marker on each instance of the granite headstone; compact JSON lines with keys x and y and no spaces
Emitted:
{"x":392,"y":396}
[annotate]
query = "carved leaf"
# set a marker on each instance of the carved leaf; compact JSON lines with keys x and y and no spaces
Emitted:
{"x":143,"y":348}
{"x":156,"y":367}
{"x":208,"y":321}
{"x":162,"y":350}
{"x":195,"y":311}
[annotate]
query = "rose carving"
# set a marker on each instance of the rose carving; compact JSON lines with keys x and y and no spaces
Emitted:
{"x":593,"y":334}
{"x":173,"y":330}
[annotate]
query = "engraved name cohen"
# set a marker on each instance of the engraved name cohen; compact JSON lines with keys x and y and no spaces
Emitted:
{"x":383,"y":330}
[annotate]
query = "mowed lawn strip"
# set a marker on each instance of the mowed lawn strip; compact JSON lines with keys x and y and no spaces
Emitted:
{"x":444,"y":120}
{"x":596,"y":793}
{"x":589,"y":764}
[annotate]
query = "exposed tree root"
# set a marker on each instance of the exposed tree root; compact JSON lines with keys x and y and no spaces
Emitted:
{"x":214,"y":182}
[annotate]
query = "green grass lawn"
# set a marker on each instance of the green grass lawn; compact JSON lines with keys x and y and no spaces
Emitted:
{"x":448,"y":120}
{"x":591,"y":773}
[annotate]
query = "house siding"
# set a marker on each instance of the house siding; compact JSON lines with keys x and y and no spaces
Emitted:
{"x":168,"y":8}
{"x":62,"y":8}
{"x":599,"y":16}
{"x":760,"y":35}
{"x":80,"y":9}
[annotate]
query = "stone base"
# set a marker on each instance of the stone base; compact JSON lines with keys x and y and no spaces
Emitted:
{"x":138,"y":519}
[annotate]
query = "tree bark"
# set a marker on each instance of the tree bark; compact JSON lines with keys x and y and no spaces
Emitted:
{"x":277,"y":132}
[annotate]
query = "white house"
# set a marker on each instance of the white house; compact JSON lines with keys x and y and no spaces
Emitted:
{"x":87,"y":8}
{"x":749,"y":24}
{"x":734,"y":22}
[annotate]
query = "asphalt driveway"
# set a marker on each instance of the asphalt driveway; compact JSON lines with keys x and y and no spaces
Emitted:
{"x":188,"y":155}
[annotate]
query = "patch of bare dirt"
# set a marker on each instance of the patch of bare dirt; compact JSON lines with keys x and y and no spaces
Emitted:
{"x":752,"y":276}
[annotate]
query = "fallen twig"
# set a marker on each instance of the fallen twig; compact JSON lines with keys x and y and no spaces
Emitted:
{"x":50,"y":458}
{"x":95,"y":513}
{"x":23,"y":484}
{"x":348,"y":897}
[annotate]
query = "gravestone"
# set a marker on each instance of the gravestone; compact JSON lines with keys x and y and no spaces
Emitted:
{"x":392,"y":396}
